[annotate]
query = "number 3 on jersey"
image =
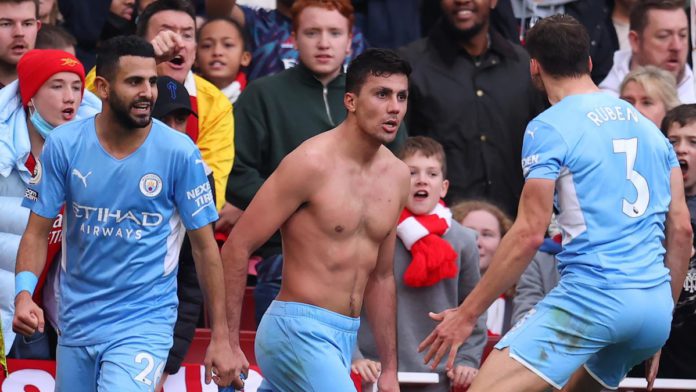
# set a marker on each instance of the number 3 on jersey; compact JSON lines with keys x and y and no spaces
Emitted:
{"x":637,"y":208}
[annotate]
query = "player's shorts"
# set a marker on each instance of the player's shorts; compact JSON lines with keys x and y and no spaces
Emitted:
{"x":133,"y":363}
{"x":302,"y":347}
{"x":609,"y":331}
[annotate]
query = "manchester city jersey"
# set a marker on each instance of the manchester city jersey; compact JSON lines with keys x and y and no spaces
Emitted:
{"x":611,"y":167}
{"x":124,"y":223}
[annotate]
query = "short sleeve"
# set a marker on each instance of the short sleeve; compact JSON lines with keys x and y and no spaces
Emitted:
{"x":671,"y":155}
{"x":193,"y":194}
{"x":45,"y":194}
{"x":543,"y":151}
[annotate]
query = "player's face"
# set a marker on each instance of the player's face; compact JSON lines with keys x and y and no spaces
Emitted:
{"x":18,"y":28}
{"x":133,"y":91}
{"x":468,"y":16}
{"x":323,"y":41}
{"x":123,"y":8}
{"x":177,"y":120}
{"x":663,"y":42}
{"x":182,"y":24}
{"x":381,"y":105}
{"x":651,"y":107}
{"x":428,"y":185}
{"x":58,"y":98}
{"x":684,"y":141}
{"x":221,"y":52}
{"x":488,"y":229}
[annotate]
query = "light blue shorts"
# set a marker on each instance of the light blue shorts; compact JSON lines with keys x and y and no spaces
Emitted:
{"x":134,"y":363}
{"x":302,"y":347}
{"x":609,"y":331}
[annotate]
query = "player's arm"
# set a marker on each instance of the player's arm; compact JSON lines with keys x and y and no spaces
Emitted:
{"x":279,"y":197}
{"x":224,"y":8}
{"x":31,"y":258}
{"x":380,"y":298}
{"x":206,"y":256}
{"x":511,"y":258}
{"x":678,"y":234}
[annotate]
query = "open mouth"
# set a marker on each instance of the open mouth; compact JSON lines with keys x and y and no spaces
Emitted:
{"x":178,"y":60}
{"x":18,"y":48}
{"x":390,"y":124}
{"x":68,"y":112}
{"x":216,"y":64}
{"x":684,"y":165}
{"x":420,"y":195}
{"x":142,"y":108}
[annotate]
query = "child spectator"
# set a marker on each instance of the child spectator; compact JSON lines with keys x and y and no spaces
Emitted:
{"x":222,"y":53}
{"x":435,"y":267}
{"x":491,"y":224}
{"x":678,"y":359}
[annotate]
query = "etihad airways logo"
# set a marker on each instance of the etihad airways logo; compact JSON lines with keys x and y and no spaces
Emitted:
{"x":107,"y":215}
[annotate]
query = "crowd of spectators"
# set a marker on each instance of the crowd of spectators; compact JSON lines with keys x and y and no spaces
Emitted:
{"x":249,"y":85}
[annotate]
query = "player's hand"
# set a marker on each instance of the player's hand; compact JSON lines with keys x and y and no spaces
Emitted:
{"x":651,"y":367}
{"x":240,"y":367}
{"x":28,"y":316}
{"x":367,"y":369}
{"x":220,"y":363}
{"x":229,"y":215}
{"x":452,"y":331}
{"x":388,"y":382}
{"x":166,"y":44}
{"x":462,"y":376}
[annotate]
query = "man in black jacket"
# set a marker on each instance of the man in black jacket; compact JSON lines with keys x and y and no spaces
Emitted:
{"x":471,"y":91}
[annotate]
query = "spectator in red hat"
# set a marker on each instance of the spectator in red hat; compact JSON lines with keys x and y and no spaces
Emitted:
{"x":47,"y":94}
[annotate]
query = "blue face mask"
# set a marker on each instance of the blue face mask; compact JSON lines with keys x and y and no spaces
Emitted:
{"x":41,"y":125}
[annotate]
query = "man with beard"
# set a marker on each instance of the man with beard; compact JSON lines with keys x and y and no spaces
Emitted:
{"x":616,"y":184}
{"x":18,"y":27}
{"x":132,"y":188}
{"x":470,"y":90}
{"x":272,"y":41}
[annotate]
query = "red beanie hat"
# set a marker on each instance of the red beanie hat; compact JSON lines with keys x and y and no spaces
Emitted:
{"x":38,"y":65}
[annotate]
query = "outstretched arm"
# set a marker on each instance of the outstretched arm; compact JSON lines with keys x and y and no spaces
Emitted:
{"x":224,"y":8}
{"x":31,"y":258}
{"x":511,"y":258}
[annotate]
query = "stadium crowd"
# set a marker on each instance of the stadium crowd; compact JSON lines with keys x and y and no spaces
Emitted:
{"x":249,"y":85}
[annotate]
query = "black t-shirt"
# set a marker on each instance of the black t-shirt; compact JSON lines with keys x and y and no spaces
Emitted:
{"x":679,"y":354}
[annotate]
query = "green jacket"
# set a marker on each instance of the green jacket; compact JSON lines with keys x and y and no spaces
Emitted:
{"x":273,"y":116}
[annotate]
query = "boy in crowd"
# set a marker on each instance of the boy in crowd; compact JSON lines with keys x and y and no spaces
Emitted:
{"x":436,"y":265}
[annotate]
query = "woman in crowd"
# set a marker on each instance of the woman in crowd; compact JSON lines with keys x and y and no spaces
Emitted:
{"x":653,"y":91}
{"x":491,"y":224}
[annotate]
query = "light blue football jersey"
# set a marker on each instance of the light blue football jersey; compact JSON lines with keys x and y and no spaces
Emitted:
{"x":124,"y":223}
{"x":612,"y":169}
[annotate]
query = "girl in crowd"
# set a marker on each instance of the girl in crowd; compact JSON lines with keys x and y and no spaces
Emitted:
{"x":653,"y":91}
{"x":221,"y":55}
{"x":491,"y":224}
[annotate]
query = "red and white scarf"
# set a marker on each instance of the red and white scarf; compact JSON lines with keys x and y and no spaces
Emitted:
{"x":432,"y":258}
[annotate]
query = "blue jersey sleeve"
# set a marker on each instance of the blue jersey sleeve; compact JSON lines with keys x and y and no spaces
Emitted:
{"x":671,"y":155}
{"x":45,"y":194}
{"x":193,"y":195}
{"x":543,"y":151}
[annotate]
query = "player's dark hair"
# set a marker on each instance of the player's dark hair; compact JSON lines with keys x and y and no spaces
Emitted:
{"x":428,"y":147}
{"x":110,"y":51}
{"x":561,"y":45}
{"x":54,"y":37}
{"x":375,"y":62}
{"x":237,"y":26}
{"x":682,"y":115}
{"x":36,"y":4}
{"x":638,"y":19}
{"x":163,"y":5}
